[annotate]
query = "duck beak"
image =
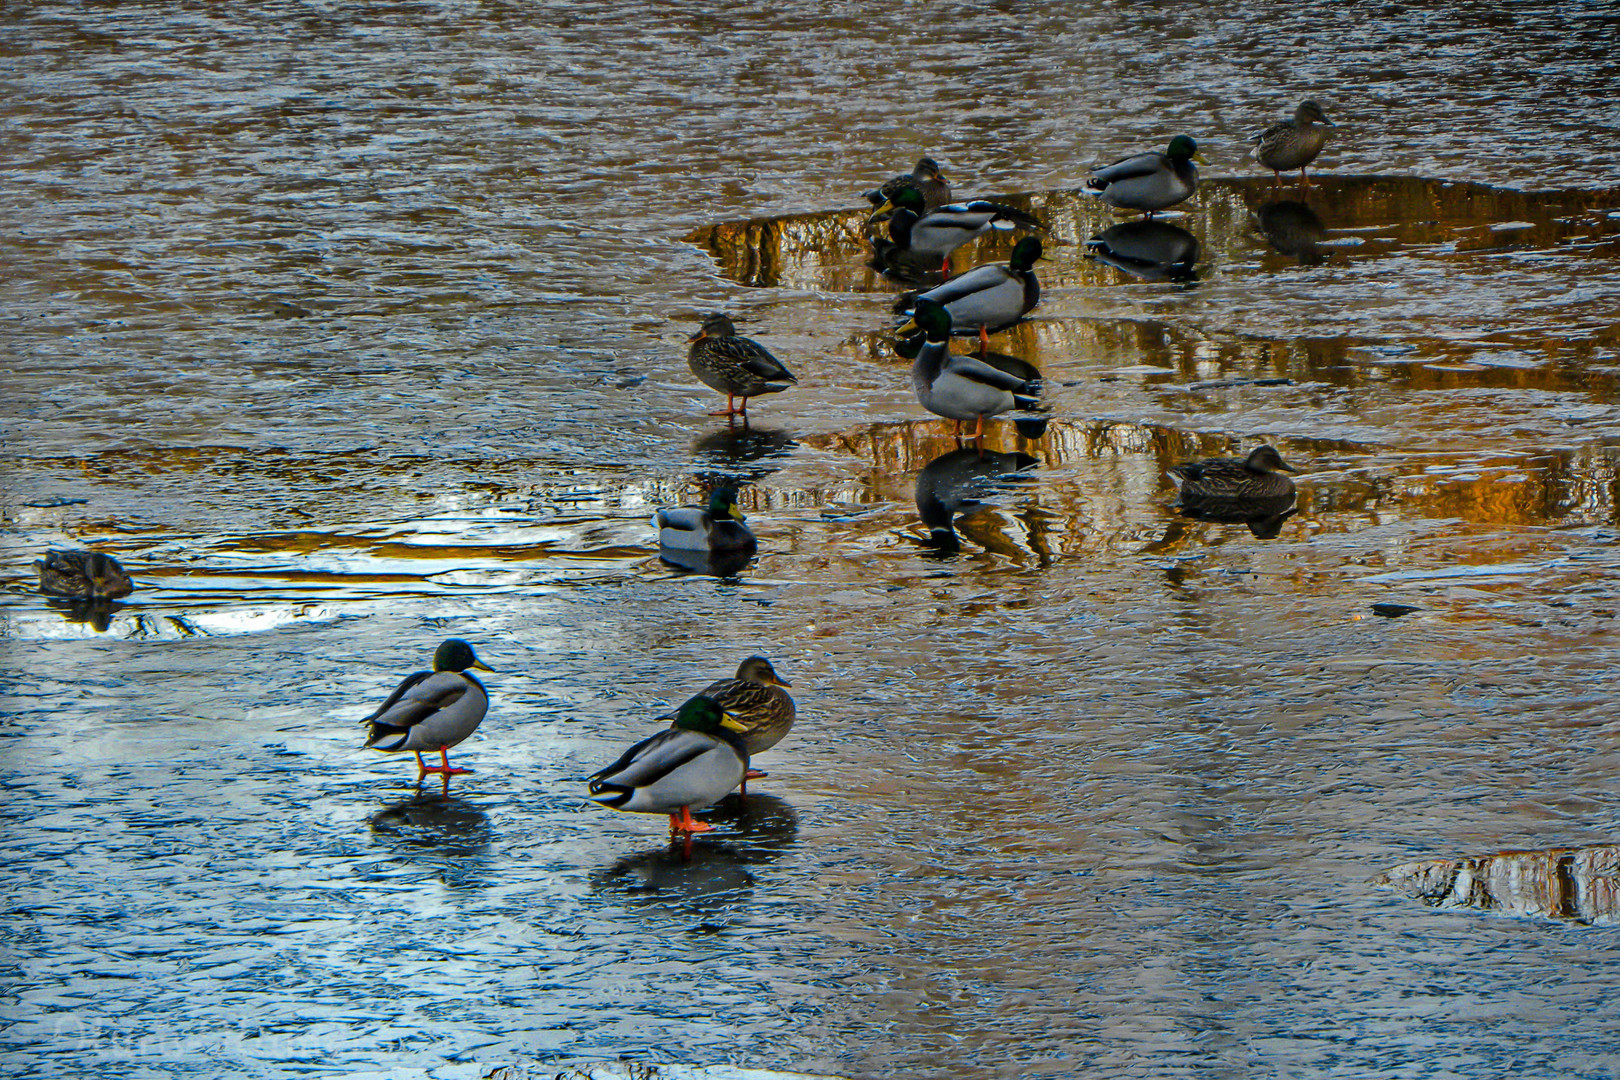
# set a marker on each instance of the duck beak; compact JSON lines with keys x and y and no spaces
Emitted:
{"x":887,"y":207}
{"x":907,"y":328}
{"x":731,"y":723}
{"x":1199,"y":157}
{"x":481,"y":666}
{"x":699,"y":336}
{"x":779,"y":681}
{"x":736,"y":512}
{"x":1285,"y":467}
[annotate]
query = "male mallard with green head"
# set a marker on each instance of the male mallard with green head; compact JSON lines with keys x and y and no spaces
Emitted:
{"x":934,"y":234}
{"x":432,"y":710}
{"x":735,"y":366}
{"x":692,"y":764}
{"x":1149,"y":182}
{"x":959,"y":387}
{"x":719,"y":527}
{"x":988,"y":297}
{"x":1293,"y":144}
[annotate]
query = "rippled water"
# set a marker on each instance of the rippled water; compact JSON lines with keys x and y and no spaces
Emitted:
{"x":352,"y":328}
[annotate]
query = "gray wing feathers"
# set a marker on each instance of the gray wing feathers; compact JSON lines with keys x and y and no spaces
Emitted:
{"x":978,"y":371}
{"x":421,"y":699}
{"x":1130,"y":167}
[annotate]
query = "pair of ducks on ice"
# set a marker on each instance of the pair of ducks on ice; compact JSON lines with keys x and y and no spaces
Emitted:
{"x":692,"y":764}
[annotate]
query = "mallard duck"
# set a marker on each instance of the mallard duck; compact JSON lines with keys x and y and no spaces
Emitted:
{"x":1149,"y":182}
{"x":925,"y":177}
{"x":1258,"y":476}
{"x":735,"y":366}
{"x":937,"y":233}
{"x":84,"y":575}
{"x":1293,"y":144}
{"x":755,"y":698}
{"x":693,"y":528}
{"x":959,"y":387}
{"x":988,"y":297}
{"x":693,"y":763}
{"x":432,"y":710}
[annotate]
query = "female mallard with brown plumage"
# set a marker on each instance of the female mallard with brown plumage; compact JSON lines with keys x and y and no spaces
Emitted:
{"x":84,"y":575}
{"x":925,"y":177}
{"x":755,"y":701}
{"x":1253,"y":478}
{"x":1293,"y":144}
{"x":735,"y":366}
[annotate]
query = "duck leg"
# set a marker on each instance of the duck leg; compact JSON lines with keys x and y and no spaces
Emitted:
{"x":984,"y":340}
{"x":1277,"y":178}
{"x":443,"y":769}
{"x":684,"y":824}
{"x":731,"y":409}
{"x":1304,"y":181}
{"x":978,"y":435}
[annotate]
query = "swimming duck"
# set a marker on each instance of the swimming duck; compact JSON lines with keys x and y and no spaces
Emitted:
{"x":959,"y":387}
{"x":693,"y":763}
{"x":693,"y":528}
{"x":755,"y":699}
{"x":924,"y":177}
{"x":989,"y":297}
{"x":1294,"y":143}
{"x":432,"y":710}
{"x":86,"y":575}
{"x":735,"y":366}
{"x":1149,"y":182}
{"x":1258,"y":476}
{"x":937,"y":233}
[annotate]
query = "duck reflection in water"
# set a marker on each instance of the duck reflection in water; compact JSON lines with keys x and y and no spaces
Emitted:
{"x":957,"y":482}
{"x":1292,"y":228}
{"x":1151,"y":250}
{"x":453,"y":832}
{"x":97,"y":612}
{"x":737,"y":456}
{"x":756,"y":830}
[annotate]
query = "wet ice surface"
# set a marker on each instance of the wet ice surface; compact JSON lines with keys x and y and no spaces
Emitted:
{"x":356,"y":332}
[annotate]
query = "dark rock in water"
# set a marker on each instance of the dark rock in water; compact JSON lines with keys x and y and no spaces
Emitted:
{"x":1393,"y":611}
